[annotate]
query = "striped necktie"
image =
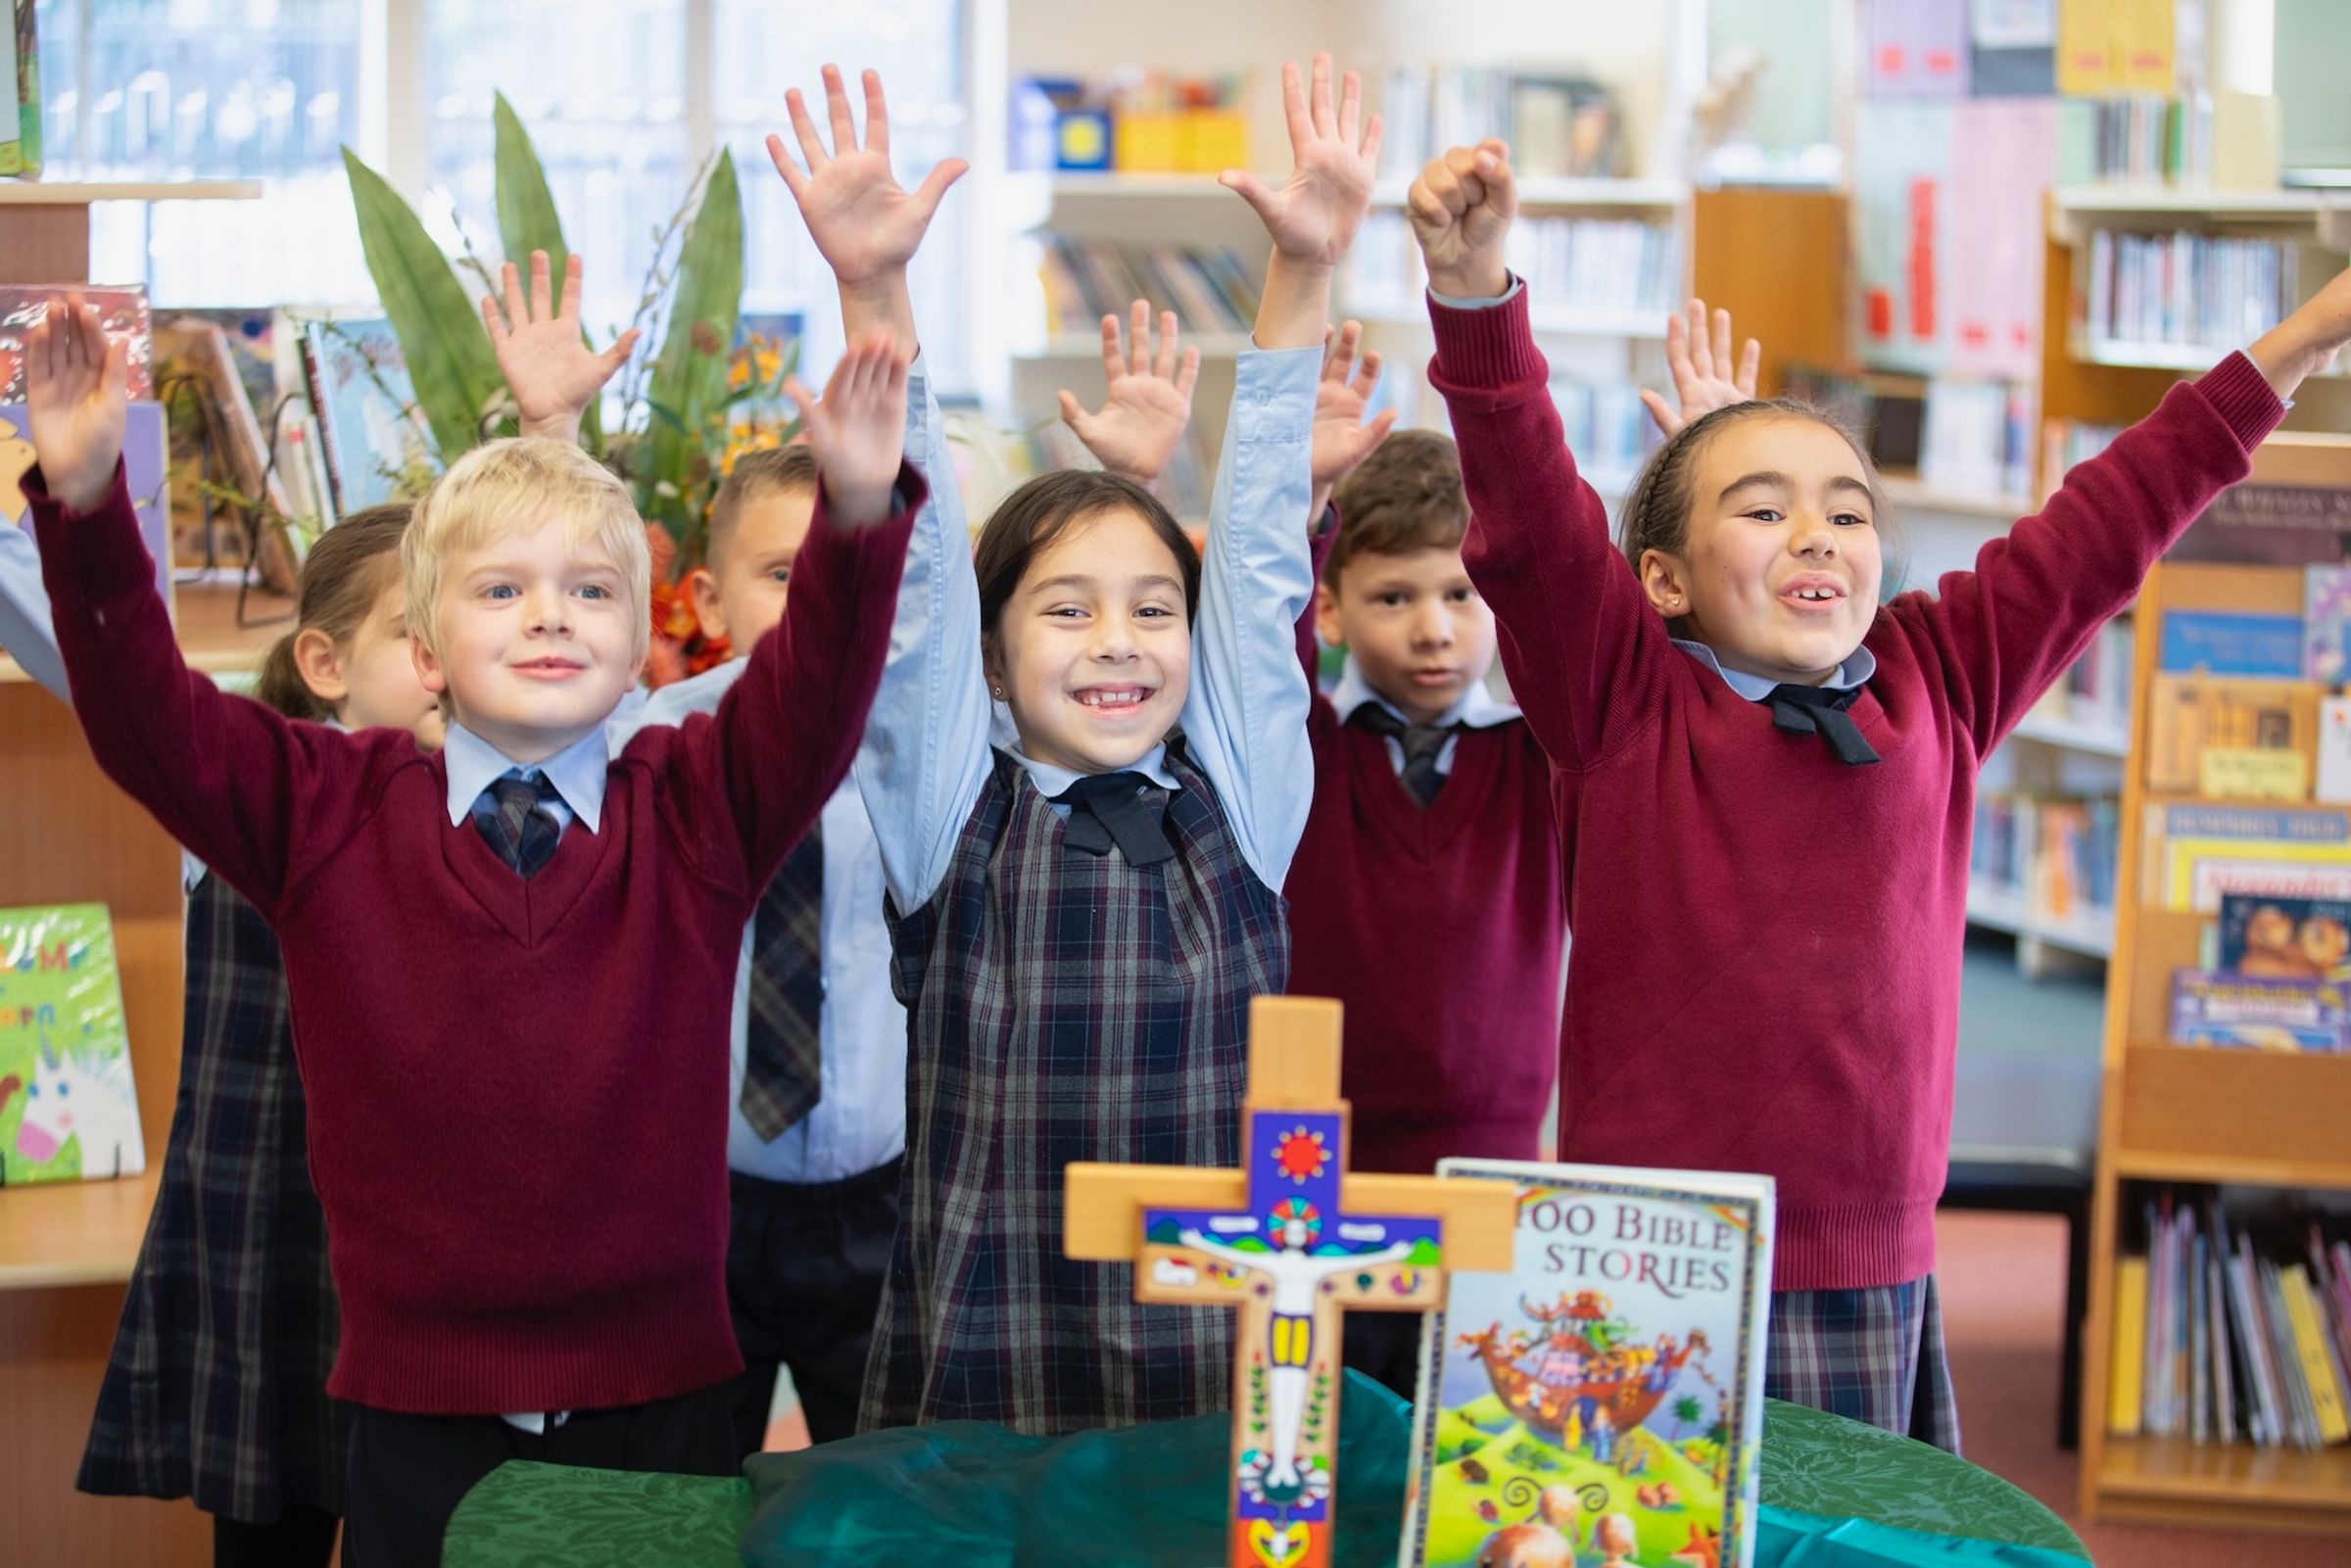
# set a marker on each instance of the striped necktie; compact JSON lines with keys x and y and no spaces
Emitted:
{"x":513,"y":818}
{"x":1424,"y":744}
{"x":783,"y":1069}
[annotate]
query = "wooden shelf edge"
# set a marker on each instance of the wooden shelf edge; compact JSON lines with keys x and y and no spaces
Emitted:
{"x":2180,"y":1470}
{"x":81,"y":193}
{"x":2157,"y":1164}
{"x":75,"y":1232}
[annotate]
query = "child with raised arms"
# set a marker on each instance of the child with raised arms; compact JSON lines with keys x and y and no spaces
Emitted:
{"x":1765,"y":778}
{"x":1082,"y":917}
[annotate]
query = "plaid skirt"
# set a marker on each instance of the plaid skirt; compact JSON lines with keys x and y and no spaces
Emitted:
{"x":1873,"y":1355}
{"x":216,"y":1389}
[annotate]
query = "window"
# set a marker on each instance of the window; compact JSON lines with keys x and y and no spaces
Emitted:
{"x":621,"y":112}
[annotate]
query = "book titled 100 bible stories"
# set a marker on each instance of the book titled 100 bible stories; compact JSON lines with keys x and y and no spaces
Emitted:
{"x":1603,"y":1401}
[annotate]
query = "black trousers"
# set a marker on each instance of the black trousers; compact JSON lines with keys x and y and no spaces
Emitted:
{"x":1386,"y":1346}
{"x":409,"y":1472}
{"x":804,"y":1270}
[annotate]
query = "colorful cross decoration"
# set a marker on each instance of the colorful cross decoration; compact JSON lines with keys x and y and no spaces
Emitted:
{"x":1291,"y":1242}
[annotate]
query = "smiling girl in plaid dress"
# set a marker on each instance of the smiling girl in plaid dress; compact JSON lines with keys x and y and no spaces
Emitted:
{"x":1082,"y":912}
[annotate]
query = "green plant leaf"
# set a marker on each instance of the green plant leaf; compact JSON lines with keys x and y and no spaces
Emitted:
{"x":449,"y":358}
{"x":690,"y":378}
{"x":527,"y":221}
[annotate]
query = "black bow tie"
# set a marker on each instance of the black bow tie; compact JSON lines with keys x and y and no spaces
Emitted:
{"x":1126,"y":809}
{"x":1815,"y":710}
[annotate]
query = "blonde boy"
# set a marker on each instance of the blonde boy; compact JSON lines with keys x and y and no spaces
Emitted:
{"x":510,"y":963}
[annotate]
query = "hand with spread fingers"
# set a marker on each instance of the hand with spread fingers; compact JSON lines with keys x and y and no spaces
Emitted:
{"x":1342,"y":439}
{"x":858,"y":431}
{"x":548,"y":365}
{"x":1148,"y":398}
{"x":75,"y":379}
{"x":1704,"y":378}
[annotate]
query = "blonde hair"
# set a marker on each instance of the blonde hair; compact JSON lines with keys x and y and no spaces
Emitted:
{"x":505,"y":487}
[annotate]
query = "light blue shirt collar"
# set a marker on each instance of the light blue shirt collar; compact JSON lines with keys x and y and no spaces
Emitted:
{"x":1051,"y":780}
{"x":576,"y":772}
{"x":1476,"y":709}
{"x":1851,"y":675}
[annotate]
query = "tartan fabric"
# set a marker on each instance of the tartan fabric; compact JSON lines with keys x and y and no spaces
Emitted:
{"x":216,"y":1389}
{"x":1063,"y":1007}
{"x":783,"y":1067}
{"x":507,"y":816}
{"x":1873,"y":1354}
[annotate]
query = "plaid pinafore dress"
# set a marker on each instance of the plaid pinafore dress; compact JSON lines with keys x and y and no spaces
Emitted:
{"x":1063,"y":1006}
{"x":216,"y":1389}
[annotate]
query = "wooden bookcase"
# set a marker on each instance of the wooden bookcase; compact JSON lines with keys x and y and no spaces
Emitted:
{"x":2194,"y":1115}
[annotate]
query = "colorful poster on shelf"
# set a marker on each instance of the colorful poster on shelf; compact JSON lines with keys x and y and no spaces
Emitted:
{"x":1915,"y":48}
{"x":1902,"y":193}
{"x":143,"y":468}
{"x":68,"y":1109}
{"x":2232,"y":642}
{"x":2085,"y":66}
{"x":2141,"y":58}
{"x":2000,"y":185}
{"x":1603,"y":1401}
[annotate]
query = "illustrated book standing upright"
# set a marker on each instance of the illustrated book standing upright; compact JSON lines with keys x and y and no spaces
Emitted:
{"x":1603,"y":1400}
{"x":68,"y":1109}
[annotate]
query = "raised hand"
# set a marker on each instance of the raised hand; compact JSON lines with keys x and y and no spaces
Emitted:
{"x":865,"y":224}
{"x":1312,"y":216}
{"x":74,"y":400}
{"x":548,"y":365}
{"x":859,"y":430}
{"x":1703,"y":376}
{"x":1341,"y":439}
{"x":1147,"y":402}
{"x":2306,"y":342}
{"x":1460,"y":208}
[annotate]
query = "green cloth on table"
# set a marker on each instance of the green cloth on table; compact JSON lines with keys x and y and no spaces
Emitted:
{"x":1835,"y":1494}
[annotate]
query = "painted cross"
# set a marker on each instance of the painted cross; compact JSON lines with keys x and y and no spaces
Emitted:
{"x":1291,"y":1242}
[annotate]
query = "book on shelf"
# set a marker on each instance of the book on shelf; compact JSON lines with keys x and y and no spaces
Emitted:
{"x":123,"y":315}
{"x":2294,"y":510}
{"x":2257,"y":1013}
{"x":1977,"y":437}
{"x":2232,"y":642}
{"x":1914,"y":48}
{"x":374,"y":437}
{"x":2203,"y":727}
{"x":2193,"y":856}
{"x":2296,"y":939}
{"x":69,"y":1110}
{"x":1604,"y":1398}
{"x":1210,"y":287}
{"x":2231,"y":1324}
{"x":20,"y":90}
{"x":1573,"y":266}
{"x":2095,"y":693}
{"x":2207,"y":291}
{"x":146,"y":471}
{"x":1606,"y":427}
{"x":2055,"y":854}
{"x":218,"y":448}
{"x":1559,"y":122}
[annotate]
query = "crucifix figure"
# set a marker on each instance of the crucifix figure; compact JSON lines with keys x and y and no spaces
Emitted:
{"x":1291,"y":1242}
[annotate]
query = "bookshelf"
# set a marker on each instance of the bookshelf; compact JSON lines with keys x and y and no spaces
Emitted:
{"x":2197,"y":1115}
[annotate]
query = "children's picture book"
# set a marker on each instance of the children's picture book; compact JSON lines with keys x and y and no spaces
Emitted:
{"x":2246,"y":1011}
{"x":2293,"y":939}
{"x":2293,"y":510}
{"x":20,"y":91}
{"x":121,"y":311}
{"x":143,"y":468}
{"x":2335,"y":750}
{"x":68,"y":1109}
{"x":2227,"y":642}
{"x":2189,"y":714}
{"x":1603,"y":1400}
{"x":218,"y":451}
{"x":377,"y":445}
{"x":2326,"y":624}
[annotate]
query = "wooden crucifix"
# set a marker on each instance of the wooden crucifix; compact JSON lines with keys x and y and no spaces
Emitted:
{"x":1291,"y":1242}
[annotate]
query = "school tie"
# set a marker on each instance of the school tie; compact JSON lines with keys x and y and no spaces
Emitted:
{"x":1126,"y":809}
{"x":783,"y":1068}
{"x":1424,"y":744}
{"x":513,"y":818}
{"x":1816,"y":710}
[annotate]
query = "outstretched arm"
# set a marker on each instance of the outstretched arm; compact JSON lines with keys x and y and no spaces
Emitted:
{"x":1703,"y":377}
{"x":1148,"y":398}
{"x":548,"y":365}
{"x":1199,"y":1241}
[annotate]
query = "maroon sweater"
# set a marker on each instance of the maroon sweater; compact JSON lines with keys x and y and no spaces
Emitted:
{"x":517,"y":1091}
{"x":1440,"y":929}
{"x":1765,"y":970}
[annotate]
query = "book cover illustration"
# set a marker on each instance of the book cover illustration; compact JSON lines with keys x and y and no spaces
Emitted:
{"x":20,"y":90}
{"x":143,"y":468}
{"x":2326,"y":624}
{"x":2190,"y":714}
{"x":2286,"y":938}
{"x":377,"y":445}
{"x":1603,"y":1401}
{"x":2250,"y":1012}
{"x":68,"y":1109}
{"x":122,"y":313}
{"x":2229,"y":642}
